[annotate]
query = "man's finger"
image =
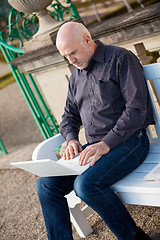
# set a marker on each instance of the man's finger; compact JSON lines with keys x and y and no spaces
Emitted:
{"x":71,"y":152}
{"x":95,"y":158}
{"x":75,"y":147}
{"x":84,"y":157}
{"x":80,"y":149}
{"x":64,"y":155}
{"x":67,"y":154}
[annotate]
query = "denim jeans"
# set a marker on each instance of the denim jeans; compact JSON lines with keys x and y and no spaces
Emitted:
{"x":94,"y":188}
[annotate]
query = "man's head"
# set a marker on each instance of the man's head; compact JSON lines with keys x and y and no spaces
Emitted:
{"x":75,"y":43}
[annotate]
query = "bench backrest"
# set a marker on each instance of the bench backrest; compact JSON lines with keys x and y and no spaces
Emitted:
{"x":152,"y":75}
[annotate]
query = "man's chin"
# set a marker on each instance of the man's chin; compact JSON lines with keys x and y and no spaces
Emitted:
{"x":80,"y":66}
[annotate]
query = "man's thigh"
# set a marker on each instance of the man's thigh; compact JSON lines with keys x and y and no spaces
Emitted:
{"x":60,"y":184}
{"x":119,"y":162}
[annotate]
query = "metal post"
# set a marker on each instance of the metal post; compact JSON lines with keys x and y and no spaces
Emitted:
{"x":128,"y":6}
{"x":2,"y":148}
{"x":96,"y":11}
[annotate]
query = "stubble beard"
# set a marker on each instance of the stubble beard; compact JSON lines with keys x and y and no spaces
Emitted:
{"x":85,"y":64}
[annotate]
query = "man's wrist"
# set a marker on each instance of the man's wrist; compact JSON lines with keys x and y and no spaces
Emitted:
{"x":72,"y":140}
{"x":71,"y":136}
{"x":106,"y":145}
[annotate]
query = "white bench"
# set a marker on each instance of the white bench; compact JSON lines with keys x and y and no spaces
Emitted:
{"x":132,"y":189}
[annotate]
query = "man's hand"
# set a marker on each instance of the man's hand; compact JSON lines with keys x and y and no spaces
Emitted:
{"x":72,"y":150}
{"x":96,"y":150}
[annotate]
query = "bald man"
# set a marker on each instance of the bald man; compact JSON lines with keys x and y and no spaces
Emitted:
{"x":107,"y":95}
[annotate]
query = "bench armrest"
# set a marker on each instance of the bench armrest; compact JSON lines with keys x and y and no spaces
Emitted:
{"x":45,"y":150}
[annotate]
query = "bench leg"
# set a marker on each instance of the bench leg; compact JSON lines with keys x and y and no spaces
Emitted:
{"x":79,"y":221}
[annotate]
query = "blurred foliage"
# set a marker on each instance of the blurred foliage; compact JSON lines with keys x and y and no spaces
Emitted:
{"x":4,"y":9}
{"x":2,"y":59}
{"x":155,"y":55}
{"x":6,"y":79}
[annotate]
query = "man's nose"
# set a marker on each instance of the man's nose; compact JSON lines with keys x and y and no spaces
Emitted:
{"x":71,"y":59}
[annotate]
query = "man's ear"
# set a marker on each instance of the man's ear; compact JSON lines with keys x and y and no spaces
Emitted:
{"x":87,"y":39}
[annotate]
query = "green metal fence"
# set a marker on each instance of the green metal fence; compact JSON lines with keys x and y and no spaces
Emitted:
{"x":2,"y":148}
{"x":40,"y":110}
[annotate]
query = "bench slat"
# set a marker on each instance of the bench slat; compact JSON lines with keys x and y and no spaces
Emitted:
{"x":145,"y":199}
{"x":136,"y":175}
{"x":144,"y":167}
{"x":150,"y":187}
{"x":155,"y":147}
{"x":151,"y":71}
{"x":152,"y":158}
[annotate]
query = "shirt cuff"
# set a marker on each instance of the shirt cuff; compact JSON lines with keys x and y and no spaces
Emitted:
{"x":71,"y":136}
{"x":112,"y":139}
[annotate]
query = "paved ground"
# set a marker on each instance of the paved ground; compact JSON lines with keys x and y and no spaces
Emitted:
{"x":4,"y":68}
{"x":18,"y":129}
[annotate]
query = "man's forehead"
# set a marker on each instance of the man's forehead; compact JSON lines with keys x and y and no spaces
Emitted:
{"x":68,"y":50}
{"x":68,"y":47}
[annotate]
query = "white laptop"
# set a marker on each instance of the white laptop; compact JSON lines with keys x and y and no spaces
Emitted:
{"x":48,"y":167}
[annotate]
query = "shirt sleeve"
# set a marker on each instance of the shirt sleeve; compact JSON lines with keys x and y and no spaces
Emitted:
{"x":135,"y":94}
{"x":71,"y":120}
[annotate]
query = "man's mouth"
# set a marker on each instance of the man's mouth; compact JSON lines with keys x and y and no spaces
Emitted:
{"x":77,"y":64}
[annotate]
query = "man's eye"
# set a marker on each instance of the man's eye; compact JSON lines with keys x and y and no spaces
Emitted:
{"x":65,"y":56}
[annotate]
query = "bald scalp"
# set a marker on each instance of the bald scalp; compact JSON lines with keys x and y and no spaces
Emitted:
{"x":71,"y":30}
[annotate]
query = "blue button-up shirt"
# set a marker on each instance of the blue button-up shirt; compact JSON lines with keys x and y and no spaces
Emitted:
{"x":110,"y":98}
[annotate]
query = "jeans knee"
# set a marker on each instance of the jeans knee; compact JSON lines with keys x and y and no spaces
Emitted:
{"x":43,"y":187}
{"x":83,"y":188}
{"x":79,"y":187}
{"x":39,"y":186}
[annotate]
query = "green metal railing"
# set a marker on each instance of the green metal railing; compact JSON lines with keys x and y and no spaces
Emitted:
{"x":2,"y":148}
{"x":22,"y":27}
{"x":40,"y":111}
{"x":60,"y":11}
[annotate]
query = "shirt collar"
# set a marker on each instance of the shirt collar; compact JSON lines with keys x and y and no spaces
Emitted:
{"x":98,"y":56}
